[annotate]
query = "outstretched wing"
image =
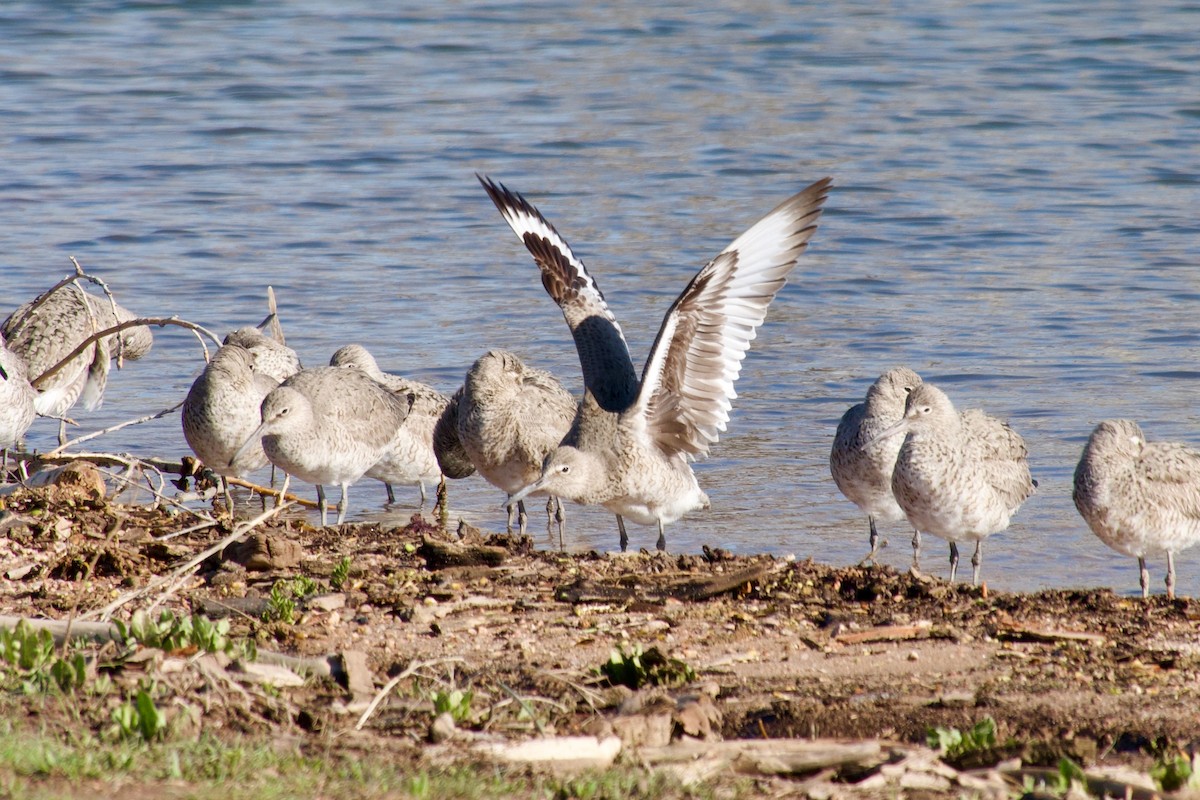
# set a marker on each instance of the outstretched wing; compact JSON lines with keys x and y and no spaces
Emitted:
{"x":687,"y":384}
{"x":603,"y":354}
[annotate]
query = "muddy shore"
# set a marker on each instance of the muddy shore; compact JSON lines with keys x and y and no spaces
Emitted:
{"x":755,"y":647}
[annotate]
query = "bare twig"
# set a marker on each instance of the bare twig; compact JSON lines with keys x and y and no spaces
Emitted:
{"x":184,"y":569}
{"x":117,"y":427}
{"x":412,"y":669}
{"x":132,"y":323}
{"x":269,"y":492}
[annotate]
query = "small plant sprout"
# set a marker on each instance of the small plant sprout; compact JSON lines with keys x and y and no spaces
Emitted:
{"x":456,"y":702}
{"x":636,"y":668}
{"x":340,"y":574}
{"x":952,"y":742}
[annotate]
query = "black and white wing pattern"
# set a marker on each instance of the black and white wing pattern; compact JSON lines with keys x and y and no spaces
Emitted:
{"x":608,"y":371}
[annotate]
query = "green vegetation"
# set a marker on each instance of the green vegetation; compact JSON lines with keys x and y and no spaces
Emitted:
{"x":1176,"y":772}
{"x":636,"y":668}
{"x":456,"y":701}
{"x":281,"y":605}
{"x":340,"y":574}
{"x":173,"y":634}
{"x":37,"y":764}
{"x":139,"y":719}
{"x":952,"y":742}
{"x":30,"y":662}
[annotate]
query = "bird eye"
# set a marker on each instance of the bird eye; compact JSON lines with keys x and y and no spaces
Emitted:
{"x":564,"y":469}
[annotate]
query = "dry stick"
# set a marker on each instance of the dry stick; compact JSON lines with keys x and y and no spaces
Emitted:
{"x":112,"y":302}
{"x":133,"y":323}
{"x":117,"y":427}
{"x":408,"y":672}
{"x":291,"y":498}
{"x":191,"y":564}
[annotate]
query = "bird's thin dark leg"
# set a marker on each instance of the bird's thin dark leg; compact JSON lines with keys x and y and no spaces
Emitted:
{"x":510,"y":509}
{"x":976,"y":562}
{"x":953,"y":560}
{"x":916,"y":544}
{"x":391,"y":494}
{"x":662,"y":537}
{"x":560,"y":516}
{"x":1144,"y":575}
{"x":624,"y":536}
{"x":522,"y":517}
{"x":874,"y":540}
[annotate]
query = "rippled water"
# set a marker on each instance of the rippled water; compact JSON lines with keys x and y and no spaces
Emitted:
{"x":1015,"y":214}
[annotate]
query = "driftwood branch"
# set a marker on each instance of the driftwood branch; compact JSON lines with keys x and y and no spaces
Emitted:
{"x":133,"y":323}
{"x":271,"y":492}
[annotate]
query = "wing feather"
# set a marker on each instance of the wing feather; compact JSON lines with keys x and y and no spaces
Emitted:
{"x":687,"y":383}
{"x":608,"y":371}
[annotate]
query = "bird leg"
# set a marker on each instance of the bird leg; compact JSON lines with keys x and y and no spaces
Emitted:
{"x":343,"y":503}
{"x":392,"y":494}
{"x":624,"y":536}
{"x":522,"y":517}
{"x":509,"y":508}
{"x":321,"y":504}
{"x":1145,"y":577}
{"x":976,"y":561}
{"x":916,"y":544}
{"x":421,"y":486}
{"x":870,"y":559}
{"x":1170,"y":575}
{"x":560,"y":516}
{"x":662,"y":537}
{"x":953,"y":560}
{"x":228,"y":496}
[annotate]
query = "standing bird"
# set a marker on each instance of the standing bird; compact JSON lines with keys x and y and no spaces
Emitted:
{"x":510,"y":417}
{"x":629,"y":446}
{"x":959,"y":477}
{"x":327,"y":425}
{"x":860,"y":462}
{"x":16,"y":402}
{"x":45,"y":331}
{"x":411,"y":461}
{"x":1141,"y":498}
{"x":222,"y":409}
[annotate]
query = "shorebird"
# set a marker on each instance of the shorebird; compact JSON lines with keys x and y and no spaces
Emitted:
{"x":16,"y":402}
{"x":412,"y":460}
{"x":511,"y":416}
{"x":630,"y":444}
{"x":44,"y":331}
{"x":271,"y":356}
{"x":959,"y":477}
{"x":222,"y":409}
{"x":327,"y":425}
{"x":861,"y":463}
{"x":1141,"y":498}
